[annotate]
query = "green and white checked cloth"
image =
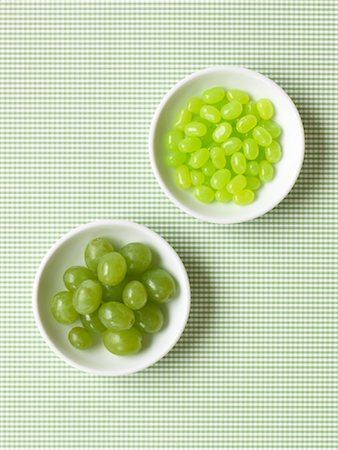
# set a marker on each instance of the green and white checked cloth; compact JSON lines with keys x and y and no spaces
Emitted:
{"x":257,"y":367}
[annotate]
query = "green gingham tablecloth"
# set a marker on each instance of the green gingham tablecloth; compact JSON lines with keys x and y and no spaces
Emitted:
{"x":256,"y":367}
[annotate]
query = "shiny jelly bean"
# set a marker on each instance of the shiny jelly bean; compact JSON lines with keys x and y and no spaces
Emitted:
{"x":244,"y":197}
{"x":204,"y":194}
{"x":246,"y":123}
{"x":251,"y":168}
{"x":222,"y":132}
{"x":265,"y":108}
{"x":190,"y":144}
{"x":199,"y":158}
{"x":237,"y":184}
{"x":261,"y":136}
{"x":213,"y":95}
{"x":210,"y":113}
{"x":173,"y":138}
{"x":253,"y":183}
{"x":272,"y":127}
{"x":183,"y":178}
{"x":235,"y":94}
{"x":273,"y":152}
{"x":197,"y":177}
{"x":208,"y":169}
{"x":223,"y":196}
{"x":218,"y":157}
{"x":183,"y":118}
{"x":220,"y":178}
{"x":195,"y":129}
{"x":238,"y":163}
{"x":266,"y":171}
{"x":250,"y":149}
{"x":232,"y":145}
{"x":251,"y":108}
{"x":194,"y":105}
{"x":232,"y":110}
{"x":175,"y":159}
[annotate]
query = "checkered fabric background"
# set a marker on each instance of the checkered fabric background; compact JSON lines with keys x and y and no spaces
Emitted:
{"x":257,"y":365}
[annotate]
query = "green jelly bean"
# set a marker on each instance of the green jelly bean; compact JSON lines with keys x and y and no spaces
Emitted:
{"x":183,"y":118}
{"x":199,"y":158}
{"x":222,"y":132}
{"x":246,"y":123}
{"x":273,"y":152}
{"x":253,"y":183}
{"x":238,"y":163}
{"x":240,"y":96}
{"x":204,"y":194}
{"x":183,"y":178}
{"x":220,"y":178}
{"x":210,"y":113}
{"x":251,"y":168}
{"x":197,"y":177}
{"x":232,"y":145}
{"x":208,"y":169}
{"x":272,"y":127}
{"x":195,"y":129}
{"x":194,"y":105}
{"x":217,"y":157}
{"x":175,"y":159}
{"x":190,"y":144}
{"x":237,"y":184}
{"x":261,"y":136}
{"x":251,"y":108}
{"x":265,"y":109}
{"x":232,"y":110}
{"x":266,"y":171}
{"x":213,"y":95}
{"x":244,"y":197}
{"x":223,"y":196}
{"x":250,"y":149}
{"x":173,"y":138}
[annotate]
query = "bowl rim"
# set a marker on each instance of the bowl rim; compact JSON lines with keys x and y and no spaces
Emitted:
{"x":227,"y":220}
{"x":42,"y":266}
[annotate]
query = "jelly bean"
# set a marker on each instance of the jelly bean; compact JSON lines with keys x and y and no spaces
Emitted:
{"x":223,"y":196}
{"x":222,"y":132}
{"x":175,"y":159}
{"x":204,"y":194}
{"x":273,"y":152}
{"x":183,"y":178}
{"x":220,"y":178}
{"x":272,"y":127}
{"x":265,"y":108}
{"x":261,"y":136}
{"x":266,"y":171}
{"x":251,"y":108}
{"x":251,"y":168}
{"x":250,"y":149}
{"x":231,"y":110}
{"x":232,"y":145}
{"x":190,"y":144}
{"x":195,"y":129}
{"x":246,"y":123}
{"x":253,"y":183}
{"x":240,"y":96}
{"x":238,"y":163}
{"x":199,"y":158}
{"x":210,"y":113}
{"x":208,"y":169}
{"x":237,"y":184}
{"x":194,"y":105}
{"x":217,"y":157}
{"x":244,"y":197}
{"x":173,"y":138}
{"x":213,"y":95}
{"x":184,"y":117}
{"x":197,"y":177}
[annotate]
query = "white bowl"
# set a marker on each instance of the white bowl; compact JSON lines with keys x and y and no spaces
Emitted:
{"x":69,"y":251}
{"x":258,"y":86}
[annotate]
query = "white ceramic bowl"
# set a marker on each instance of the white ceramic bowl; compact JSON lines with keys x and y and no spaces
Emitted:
{"x":292,"y":141}
{"x":69,"y":251}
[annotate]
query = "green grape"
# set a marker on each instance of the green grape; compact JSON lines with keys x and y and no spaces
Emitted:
{"x":232,"y":145}
{"x":134,"y":295}
{"x":246,"y":123}
{"x":208,"y":169}
{"x":265,"y":108}
{"x":218,"y":157}
{"x":222,"y":132}
{"x":223,"y":196}
{"x":195,"y":129}
{"x":204,"y":194}
{"x":173,"y":138}
{"x":194,"y":105}
{"x":116,"y":316}
{"x":159,"y":284}
{"x":261,"y":136}
{"x":266,"y":171}
{"x":80,"y":338}
{"x":190,"y":144}
{"x":250,"y":149}
{"x":62,"y":308}
{"x":138,"y":257}
{"x":95,"y":250}
{"x":213,"y":95}
{"x":273,"y":152}
{"x":244,"y":197}
{"x":113,"y":293}
{"x":92,"y":322}
{"x":87,"y":297}
{"x":175,"y":158}
{"x":232,"y":110}
{"x":240,"y":96}
{"x":112,"y":269}
{"x":184,"y":117}
{"x":236,"y":185}
{"x":124,"y":342}
{"x":238,"y":163}
{"x":197,"y":177}
{"x":220,"y":178}
{"x":74,"y":276}
{"x":210,"y":113}
{"x":149,"y":319}
{"x":199,"y":158}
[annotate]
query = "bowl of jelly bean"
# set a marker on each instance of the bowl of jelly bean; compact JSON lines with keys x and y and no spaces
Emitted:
{"x":226,"y":144}
{"x":111,"y":297}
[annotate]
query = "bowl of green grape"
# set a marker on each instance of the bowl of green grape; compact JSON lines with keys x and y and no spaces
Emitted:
{"x":111,"y":297}
{"x":226,"y":144}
